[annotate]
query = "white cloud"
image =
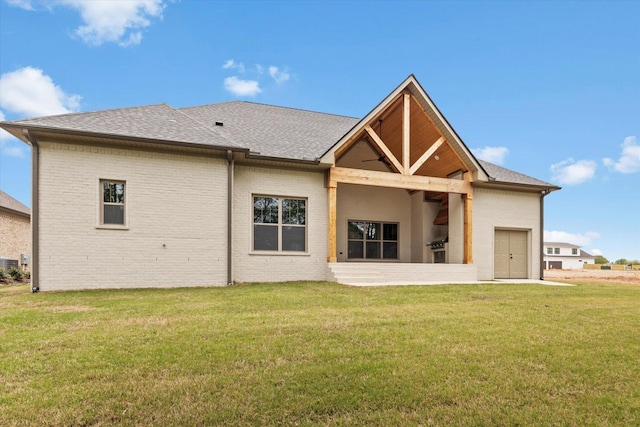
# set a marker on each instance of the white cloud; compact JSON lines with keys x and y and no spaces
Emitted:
{"x":595,"y":252}
{"x":7,"y":142}
{"x":22,"y":4}
{"x":230,"y":64}
{"x":491,"y":154}
{"x":105,"y":21}
{"x":29,"y":92}
{"x":629,"y":161}
{"x":241,"y":87}
{"x":278,"y":75}
{"x":575,"y":239}
{"x":571,"y":172}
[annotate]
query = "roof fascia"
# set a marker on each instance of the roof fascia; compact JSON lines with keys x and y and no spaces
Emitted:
{"x":14,"y":212}
{"x":502,"y":185}
{"x":17,"y":128}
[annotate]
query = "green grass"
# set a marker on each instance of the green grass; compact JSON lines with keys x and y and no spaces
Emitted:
{"x":320,"y":353}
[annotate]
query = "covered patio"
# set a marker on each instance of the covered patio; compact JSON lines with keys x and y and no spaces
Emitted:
{"x":400,"y":180}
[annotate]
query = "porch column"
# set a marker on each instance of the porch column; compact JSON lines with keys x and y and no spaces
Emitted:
{"x":467,"y":255}
{"x":331,"y":246}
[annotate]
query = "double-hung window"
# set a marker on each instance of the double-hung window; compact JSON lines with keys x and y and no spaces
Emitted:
{"x":279,"y":224}
{"x":112,"y":202}
{"x":549,"y":251}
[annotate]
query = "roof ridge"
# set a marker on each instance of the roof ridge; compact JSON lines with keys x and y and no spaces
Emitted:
{"x":271,"y":105}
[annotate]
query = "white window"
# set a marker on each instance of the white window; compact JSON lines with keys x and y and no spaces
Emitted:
{"x":112,"y":202}
{"x":549,"y":251}
{"x":556,"y":251}
{"x":574,"y":251}
{"x":279,"y":224}
{"x":372,"y":240}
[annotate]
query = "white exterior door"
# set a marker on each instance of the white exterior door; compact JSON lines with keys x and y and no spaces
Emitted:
{"x":510,"y":254}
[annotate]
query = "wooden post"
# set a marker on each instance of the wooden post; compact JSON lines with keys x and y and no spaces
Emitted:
{"x":467,"y":257}
{"x":331,"y":247}
{"x":406,"y":137}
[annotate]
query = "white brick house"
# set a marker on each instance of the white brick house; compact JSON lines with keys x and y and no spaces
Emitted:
{"x":155,"y":196}
{"x":565,"y":256}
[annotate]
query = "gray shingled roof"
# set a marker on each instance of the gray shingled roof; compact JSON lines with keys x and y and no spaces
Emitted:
{"x":8,"y":202}
{"x":161,"y":122}
{"x":276,"y":131}
{"x":266,"y":130}
{"x":501,"y":174}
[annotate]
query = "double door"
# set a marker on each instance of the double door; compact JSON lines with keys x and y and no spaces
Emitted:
{"x":510,"y":254}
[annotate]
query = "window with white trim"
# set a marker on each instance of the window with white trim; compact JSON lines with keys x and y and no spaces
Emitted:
{"x":556,"y":251}
{"x":549,"y":251}
{"x":279,"y":224}
{"x":112,"y":202}
{"x":574,"y":251}
{"x":372,"y":240}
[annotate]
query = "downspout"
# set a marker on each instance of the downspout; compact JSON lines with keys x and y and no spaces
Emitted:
{"x":543,"y":193}
{"x":35,"y":211}
{"x":230,"y":167}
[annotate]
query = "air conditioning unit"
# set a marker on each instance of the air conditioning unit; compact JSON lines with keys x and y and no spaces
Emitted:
{"x":6,"y":263}
{"x":25,"y":259}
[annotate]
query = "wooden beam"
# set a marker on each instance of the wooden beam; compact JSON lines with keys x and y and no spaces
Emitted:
{"x":394,"y":180}
{"x":406,"y":134}
{"x":331,"y":246}
{"x":381,"y":145}
{"x":467,"y":254}
{"x":418,"y":164}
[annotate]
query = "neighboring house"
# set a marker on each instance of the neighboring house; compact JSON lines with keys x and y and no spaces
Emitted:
{"x":155,"y":196}
{"x":565,"y":256}
{"x":15,"y":229}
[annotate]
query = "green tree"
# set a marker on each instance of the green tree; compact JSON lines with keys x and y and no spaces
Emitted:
{"x":622,"y":261}
{"x":601,"y":260}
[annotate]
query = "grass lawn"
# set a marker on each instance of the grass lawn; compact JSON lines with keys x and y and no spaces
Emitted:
{"x":321,"y":353}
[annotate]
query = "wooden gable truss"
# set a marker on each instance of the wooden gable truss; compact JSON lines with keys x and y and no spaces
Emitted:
{"x":415,"y":152}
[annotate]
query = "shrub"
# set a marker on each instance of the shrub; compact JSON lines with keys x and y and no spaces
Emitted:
{"x":3,"y":275}
{"x":27,"y":274}
{"x":16,"y":273}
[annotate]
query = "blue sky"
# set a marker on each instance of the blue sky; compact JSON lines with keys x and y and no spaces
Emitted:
{"x":549,"y":88}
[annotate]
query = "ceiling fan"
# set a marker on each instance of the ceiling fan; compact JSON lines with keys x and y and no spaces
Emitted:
{"x":382,"y":159}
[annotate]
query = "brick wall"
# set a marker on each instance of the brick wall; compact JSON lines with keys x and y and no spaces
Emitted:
{"x":494,"y":209}
{"x":15,"y":235}
{"x":176,"y":219}
{"x":250,"y":266}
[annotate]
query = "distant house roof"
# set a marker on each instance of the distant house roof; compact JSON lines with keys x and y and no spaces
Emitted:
{"x":9,"y":203}
{"x":259,"y":129}
{"x":561,"y":245}
{"x":584,"y":254}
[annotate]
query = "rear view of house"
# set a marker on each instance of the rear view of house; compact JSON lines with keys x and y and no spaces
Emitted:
{"x":155,"y":196}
